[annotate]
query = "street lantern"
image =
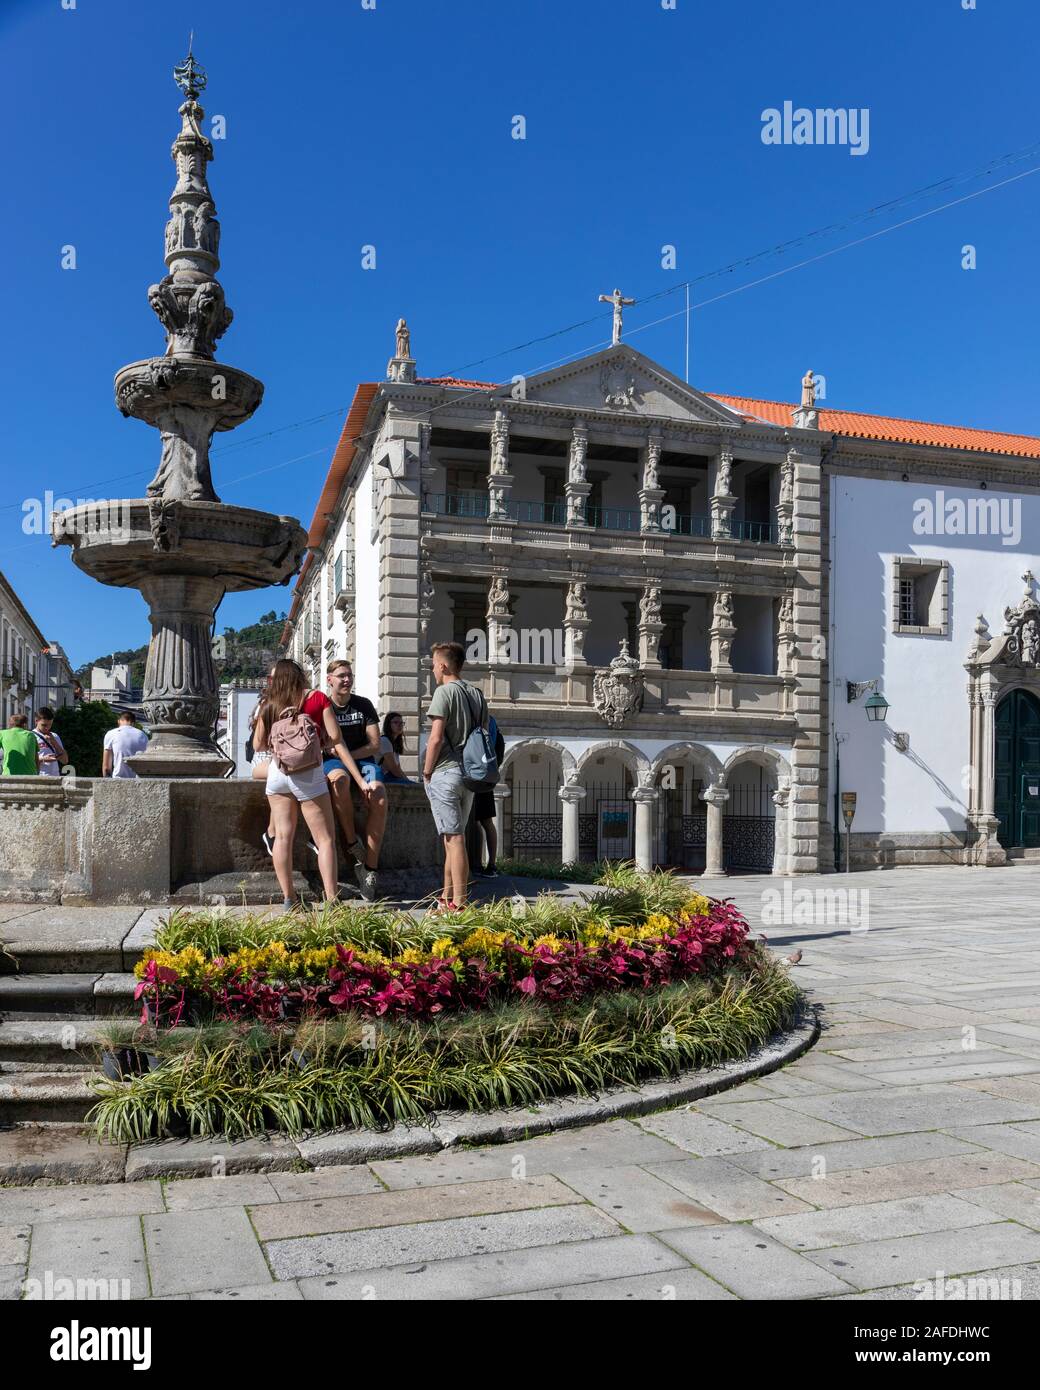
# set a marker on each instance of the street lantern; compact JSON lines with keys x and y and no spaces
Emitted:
{"x":876,"y":707}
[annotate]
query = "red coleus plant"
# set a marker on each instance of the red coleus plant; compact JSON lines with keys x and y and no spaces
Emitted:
{"x":424,"y":989}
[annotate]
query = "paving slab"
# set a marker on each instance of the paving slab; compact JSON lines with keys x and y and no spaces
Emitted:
{"x":701,"y":1134}
{"x":873,"y":1264}
{"x":284,"y":1291}
{"x":196,"y":1250}
{"x":62,"y":1153}
{"x":677,"y":1286}
{"x":816,"y":1160}
{"x":770,"y":1120}
{"x":1017,"y":1201}
{"x":1005,"y":1139}
{"x":902,"y":1109}
{"x":199,"y":1194}
{"x":88,"y":1202}
{"x":752,"y":1264}
{"x":722,"y":1187}
{"x":909,"y":1216}
{"x":325,"y":1182}
{"x":107,"y":1254}
{"x":370,"y":1211}
{"x":639,"y":1200}
{"x":436,"y":1240}
{"x":618,"y":1142}
{"x":14,"y":1244}
{"x":914,"y":1179}
{"x":488,"y":1275}
{"x":1006,"y":1284}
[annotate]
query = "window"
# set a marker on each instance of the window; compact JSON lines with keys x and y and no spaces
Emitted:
{"x":920,"y":596}
{"x":468,"y":614}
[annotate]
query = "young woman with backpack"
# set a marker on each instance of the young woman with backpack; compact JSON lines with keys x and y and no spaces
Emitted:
{"x":296,"y":777}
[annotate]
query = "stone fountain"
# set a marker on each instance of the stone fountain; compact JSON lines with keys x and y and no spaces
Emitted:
{"x":180,"y":545}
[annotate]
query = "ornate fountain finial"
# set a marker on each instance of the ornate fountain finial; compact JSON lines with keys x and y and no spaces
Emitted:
{"x":189,"y":76}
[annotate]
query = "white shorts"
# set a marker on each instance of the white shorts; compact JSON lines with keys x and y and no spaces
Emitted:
{"x":304,"y":786}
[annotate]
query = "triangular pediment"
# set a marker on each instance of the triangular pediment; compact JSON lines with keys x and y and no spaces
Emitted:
{"x":621,"y":381}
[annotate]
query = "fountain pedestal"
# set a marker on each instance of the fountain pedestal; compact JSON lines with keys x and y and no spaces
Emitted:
{"x":180,"y":546}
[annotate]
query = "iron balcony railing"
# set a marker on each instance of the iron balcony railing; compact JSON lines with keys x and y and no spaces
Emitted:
{"x":476,"y":505}
{"x":343,"y":579}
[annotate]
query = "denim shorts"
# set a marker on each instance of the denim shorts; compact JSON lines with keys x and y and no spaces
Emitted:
{"x":370,"y":771}
{"x":450,"y":799}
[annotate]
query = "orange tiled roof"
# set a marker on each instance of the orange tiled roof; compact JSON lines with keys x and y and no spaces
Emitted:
{"x":855,"y":422}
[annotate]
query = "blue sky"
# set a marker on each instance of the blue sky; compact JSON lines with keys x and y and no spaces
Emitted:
{"x":392,"y":127}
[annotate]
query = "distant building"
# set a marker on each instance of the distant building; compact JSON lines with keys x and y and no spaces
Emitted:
{"x":21,"y":647}
{"x":54,"y":679}
{"x":238,"y":700}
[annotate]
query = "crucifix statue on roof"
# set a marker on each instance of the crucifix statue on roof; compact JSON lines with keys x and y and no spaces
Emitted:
{"x":617,"y":299}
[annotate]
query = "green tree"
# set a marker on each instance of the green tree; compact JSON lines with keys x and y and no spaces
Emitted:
{"x":82,"y":729}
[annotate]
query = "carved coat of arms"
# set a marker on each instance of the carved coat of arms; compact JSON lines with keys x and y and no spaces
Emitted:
{"x":617,"y":692}
{"x":618,"y":383}
{"x":1022,"y":629}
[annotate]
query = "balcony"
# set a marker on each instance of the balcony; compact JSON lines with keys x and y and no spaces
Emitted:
{"x":475,"y":505}
{"x":343,"y":582}
{"x":311,"y":635}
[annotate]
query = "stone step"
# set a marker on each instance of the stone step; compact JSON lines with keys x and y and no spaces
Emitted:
{"x":45,"y":1096}
{"x":1019,"y":854}
{"x":66,"y":997}
{"x":56,"y":1042}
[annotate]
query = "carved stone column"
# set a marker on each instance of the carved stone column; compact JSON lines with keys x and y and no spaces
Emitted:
{"x":500,"y":480}
{"x":785,"y":500}
{"x":576,"y":623}
{"x":577,"y":488}
{"x":651,"y":494}
{"x":650,"y":627}
{"x":181,"y":700}
{"x":499,"y":621}
{"x":645,"y":798}
{"x":785,"y":644}
{"x":723,"y":499}
{"x":571,"y":795}
{"x":715,"y":798}
{"x":781,"y":800}
{"x":722,"y":632}
{"x":988,"y":850}
{"x":502,"y":792}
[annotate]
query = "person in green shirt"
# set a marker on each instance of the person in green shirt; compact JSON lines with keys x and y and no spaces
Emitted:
{"x":19,"y":749}
{"x":455,"y":710}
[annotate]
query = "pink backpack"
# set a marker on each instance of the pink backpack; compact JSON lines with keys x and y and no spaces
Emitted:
{"x":295,"y":741}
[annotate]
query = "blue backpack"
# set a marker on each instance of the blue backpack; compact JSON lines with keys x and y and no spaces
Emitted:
{"x":477,"y":758}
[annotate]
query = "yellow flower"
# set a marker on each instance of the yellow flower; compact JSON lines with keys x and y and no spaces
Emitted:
{"x":697,"y":906}
{"x":443,"y":947}
{"x":553,"y":942}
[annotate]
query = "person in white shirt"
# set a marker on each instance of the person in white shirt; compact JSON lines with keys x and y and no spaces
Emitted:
{"x":51,"y":753}
{"x":121,"y":743}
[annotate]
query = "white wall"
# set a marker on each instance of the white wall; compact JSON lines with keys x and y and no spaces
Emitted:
{"x":366,"y":569}
{"x":923,"y":678}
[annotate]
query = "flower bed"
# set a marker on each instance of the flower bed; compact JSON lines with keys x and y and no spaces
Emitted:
{"x":472,"y":968}
{"x":359,"y":1016}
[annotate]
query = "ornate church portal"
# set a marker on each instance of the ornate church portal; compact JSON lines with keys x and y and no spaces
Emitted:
{"x":1004,"y":694}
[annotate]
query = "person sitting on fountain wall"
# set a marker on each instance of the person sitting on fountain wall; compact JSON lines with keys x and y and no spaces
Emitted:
{"x":18,"y":748}
{"x":392,"y":746}
{"x":290,"y":792}
{"x":126,"y":740}
{"x":358,"y":724}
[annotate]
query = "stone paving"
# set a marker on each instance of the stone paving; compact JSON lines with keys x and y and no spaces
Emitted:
{"x":904,"y":1147}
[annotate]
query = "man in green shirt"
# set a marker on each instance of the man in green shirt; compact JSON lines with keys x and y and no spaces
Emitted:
{"x":456,"y":708}
{"x":18,"y":746}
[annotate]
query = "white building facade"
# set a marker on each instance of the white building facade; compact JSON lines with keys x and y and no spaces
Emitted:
{"x":21,"y":647}
{"x":676,"y":604}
